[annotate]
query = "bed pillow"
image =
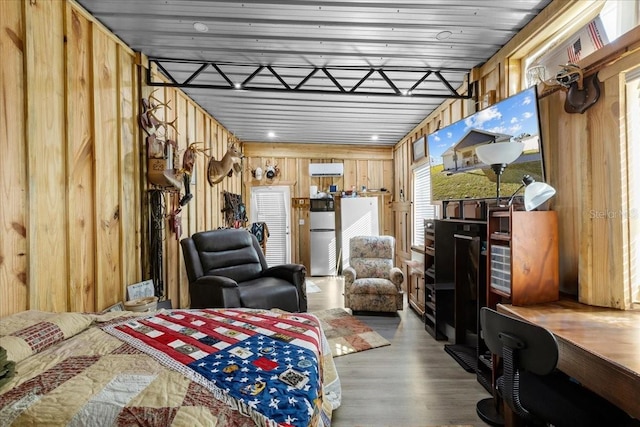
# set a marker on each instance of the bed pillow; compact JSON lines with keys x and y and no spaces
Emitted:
{"x":29,"y":332}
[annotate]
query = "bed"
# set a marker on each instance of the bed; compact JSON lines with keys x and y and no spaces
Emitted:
{"x":206,"y":367}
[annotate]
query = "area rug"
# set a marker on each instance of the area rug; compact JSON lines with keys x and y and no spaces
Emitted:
{"x":346,"y":334}
{"x":311,"y":287}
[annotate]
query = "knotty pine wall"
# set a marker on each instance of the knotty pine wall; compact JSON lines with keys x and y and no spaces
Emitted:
{"x":371,"y":167}
{"x":584,"y":154}
{"x":74,"y":213}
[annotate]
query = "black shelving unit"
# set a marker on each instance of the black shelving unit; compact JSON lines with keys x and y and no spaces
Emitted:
{"x":438,"y":278}
{"x":455,"y":289}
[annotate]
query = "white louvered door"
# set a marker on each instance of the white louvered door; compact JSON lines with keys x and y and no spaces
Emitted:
{"x":273,"y":206}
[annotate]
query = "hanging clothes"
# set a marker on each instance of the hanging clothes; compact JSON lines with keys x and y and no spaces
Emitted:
{"x":261,"y":231}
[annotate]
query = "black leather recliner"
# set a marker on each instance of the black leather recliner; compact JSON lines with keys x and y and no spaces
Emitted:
{"x":226,"y":268}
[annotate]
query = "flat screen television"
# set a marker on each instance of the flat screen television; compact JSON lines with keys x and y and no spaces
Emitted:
{"x":456,"y":172}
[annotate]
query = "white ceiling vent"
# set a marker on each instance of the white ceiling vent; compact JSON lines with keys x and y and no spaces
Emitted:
{"x":325,"y":169}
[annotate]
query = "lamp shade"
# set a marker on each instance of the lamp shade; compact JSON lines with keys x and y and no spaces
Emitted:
{"x":499,"y":153}
{"x":536,"y":194}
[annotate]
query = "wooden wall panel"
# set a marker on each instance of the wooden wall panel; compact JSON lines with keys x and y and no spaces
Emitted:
{"x":179,"y":293}
{"x":107,"y":168}
{"x":75,"y":217}
{"x":171,"y":233}
{"x":14,"y":291}
{"x":201,"y":122}
{"x":362,"y":175}
{"x":189,"y":222}
{"x":46,"y":163}
{"x":192,"y":125}
{"x":605,"y":208}
{"x":304,"y":180}
{"x":559,"y":155}
{"x":372,"y":167}
{"x":350,"y":177}
{"x":203,"y":201}
{"x":130,"y":159}
{"x":217,"y":150}
{"x":584,"y":155}
{"x":71,"y":185}
{"x":80,"y":161}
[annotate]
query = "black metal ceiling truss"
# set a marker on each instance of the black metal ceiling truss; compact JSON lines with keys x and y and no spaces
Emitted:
{"x":194,"y":79}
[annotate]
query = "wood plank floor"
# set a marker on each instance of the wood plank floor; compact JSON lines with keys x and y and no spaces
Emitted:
{"x":411,"y":383}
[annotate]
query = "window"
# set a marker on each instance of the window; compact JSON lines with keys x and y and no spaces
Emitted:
{"x":422,"y":207}
{"x":619,"y":17}
{"x":633,"y":158}
{"x":589,"y":31}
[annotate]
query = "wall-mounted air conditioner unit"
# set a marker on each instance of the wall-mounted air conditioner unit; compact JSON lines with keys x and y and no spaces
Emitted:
{"x":326,"y":169}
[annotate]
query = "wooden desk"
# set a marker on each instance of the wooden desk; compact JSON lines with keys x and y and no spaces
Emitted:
{"x":600,"y":347}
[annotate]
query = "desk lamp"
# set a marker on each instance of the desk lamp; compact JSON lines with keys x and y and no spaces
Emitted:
{"x":535,"y":193}
{"x":498,"y":155}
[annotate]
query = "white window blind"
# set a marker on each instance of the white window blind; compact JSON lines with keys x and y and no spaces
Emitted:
{"x":422,"y":207}
{"x":272,"y":210}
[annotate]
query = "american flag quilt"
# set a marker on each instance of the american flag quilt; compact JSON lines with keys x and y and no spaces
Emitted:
{"x":266,"y":364}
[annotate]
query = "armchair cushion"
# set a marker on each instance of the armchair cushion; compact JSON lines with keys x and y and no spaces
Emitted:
{"x":371,"y":281}
{"x":226,"y":268}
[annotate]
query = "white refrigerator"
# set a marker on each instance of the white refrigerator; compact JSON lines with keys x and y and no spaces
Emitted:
{"x":358,"y":217}
{"x":323,"y":243}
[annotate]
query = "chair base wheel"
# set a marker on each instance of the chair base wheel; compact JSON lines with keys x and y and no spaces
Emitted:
{"x":489,"y":413}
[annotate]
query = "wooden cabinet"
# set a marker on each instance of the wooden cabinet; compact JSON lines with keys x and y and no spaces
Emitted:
{"x":402,"y":214}
{"x":522,"y":256}
{"x":522,"y":268}
{"x":415,"y":286}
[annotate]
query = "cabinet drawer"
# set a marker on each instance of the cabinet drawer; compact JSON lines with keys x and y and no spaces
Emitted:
{"x":501,"y":269}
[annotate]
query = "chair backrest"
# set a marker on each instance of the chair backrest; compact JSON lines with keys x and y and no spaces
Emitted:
{"x":523,"y":347}
{"x":372,"y":256}
{"x":229,"y":252}
{"x":537,"y":348}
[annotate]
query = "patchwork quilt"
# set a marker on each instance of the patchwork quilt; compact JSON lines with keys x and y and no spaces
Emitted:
{"x":218,"y":367}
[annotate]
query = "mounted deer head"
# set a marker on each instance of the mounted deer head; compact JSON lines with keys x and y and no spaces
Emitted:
{"x":272,"y":171}
{"x":257,"y":173}
{"x":218,"y":169}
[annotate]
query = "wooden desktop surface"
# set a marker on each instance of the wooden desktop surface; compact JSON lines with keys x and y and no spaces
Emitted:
{"x":600,"y":347}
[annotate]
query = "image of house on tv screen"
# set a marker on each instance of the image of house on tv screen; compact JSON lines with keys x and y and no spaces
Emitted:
{"x":456,"y":171}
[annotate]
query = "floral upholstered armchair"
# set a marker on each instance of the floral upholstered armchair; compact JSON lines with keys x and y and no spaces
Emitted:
{"x":371,"y":282}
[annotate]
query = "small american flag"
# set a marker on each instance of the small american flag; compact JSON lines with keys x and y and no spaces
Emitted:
{"x":594,"y":33}
{"x":574,"y":51}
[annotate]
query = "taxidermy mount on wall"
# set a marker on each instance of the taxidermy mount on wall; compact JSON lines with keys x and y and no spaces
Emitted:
{"x":272,"y":171}
{"x":582,"y":92}
{"x":160,"y":149}
{"x":230,"y":162}
{"x":188,"y":163}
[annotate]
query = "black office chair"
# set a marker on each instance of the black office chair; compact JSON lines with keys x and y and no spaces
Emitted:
{"x":531,"y":385}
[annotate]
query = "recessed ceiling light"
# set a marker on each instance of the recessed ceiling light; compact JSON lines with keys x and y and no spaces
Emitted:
{"x":443,"y":35}
{"x":200,"y":27}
